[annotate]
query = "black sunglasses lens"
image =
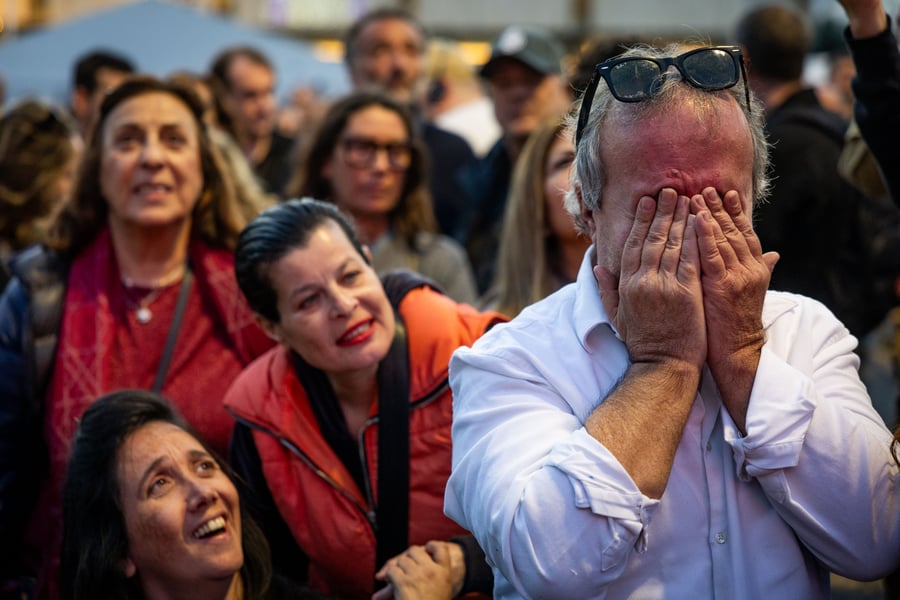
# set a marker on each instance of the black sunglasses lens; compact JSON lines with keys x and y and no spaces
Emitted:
{"x":633,"y":80}
{"x":711,"y":69}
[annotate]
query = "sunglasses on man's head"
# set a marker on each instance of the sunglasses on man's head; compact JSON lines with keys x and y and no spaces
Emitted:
{"x":636,"y":78}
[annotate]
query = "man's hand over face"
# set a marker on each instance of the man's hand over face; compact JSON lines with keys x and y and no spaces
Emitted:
{"x":735,"y":277}
{"x":657,"y":303}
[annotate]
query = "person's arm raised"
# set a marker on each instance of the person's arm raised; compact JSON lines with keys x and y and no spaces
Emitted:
{"x":867,"y":18}
{"x":657,"y":308}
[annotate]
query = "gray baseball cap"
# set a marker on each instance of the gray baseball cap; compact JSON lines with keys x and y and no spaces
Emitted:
{"x":535,"y":48}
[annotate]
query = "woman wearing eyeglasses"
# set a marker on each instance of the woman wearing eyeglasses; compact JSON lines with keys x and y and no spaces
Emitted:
{"x":366,"y":159}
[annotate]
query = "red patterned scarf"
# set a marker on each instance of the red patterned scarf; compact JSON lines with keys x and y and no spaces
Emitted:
{"x":81,"y":373}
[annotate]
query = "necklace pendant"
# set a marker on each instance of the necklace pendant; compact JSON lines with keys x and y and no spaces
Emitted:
{"x":143,"y":315}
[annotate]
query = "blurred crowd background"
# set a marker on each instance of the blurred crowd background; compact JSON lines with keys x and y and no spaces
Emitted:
{"x":38,"y":38}
{"x":281,"y":112}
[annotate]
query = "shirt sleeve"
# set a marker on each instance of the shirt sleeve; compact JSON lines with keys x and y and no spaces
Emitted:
{"x":820,"y":451}
{"x":521,"y":461}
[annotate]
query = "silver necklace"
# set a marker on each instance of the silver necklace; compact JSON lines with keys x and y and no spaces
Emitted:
{"x":141,"y":309}
{"x":142,"y":313}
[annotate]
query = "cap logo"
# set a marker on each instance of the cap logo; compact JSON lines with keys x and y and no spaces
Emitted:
{"x":512,"y":41}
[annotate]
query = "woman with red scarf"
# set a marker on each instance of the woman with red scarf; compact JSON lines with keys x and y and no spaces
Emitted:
{"x":137,"y":291}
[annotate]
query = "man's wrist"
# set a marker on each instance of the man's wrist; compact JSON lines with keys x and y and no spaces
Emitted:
{"x":868,"y":25}
{"x":734,"y":376}
{"x":477,"y":576}
{"x":670,"y":369}
{"x":457,"y":567}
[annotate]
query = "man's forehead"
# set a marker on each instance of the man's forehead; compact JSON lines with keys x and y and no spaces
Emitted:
{"x":386,"y":28}
{"x":680,"y":145}
{"x":243,"y":64}
{"x":246,"y":74}
{"x":107,"y":78}
{"x":699,"y":113}
{"x":507,"y":67}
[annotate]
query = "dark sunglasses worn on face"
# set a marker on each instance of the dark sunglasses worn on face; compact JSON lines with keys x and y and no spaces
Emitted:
{"x":636,"y":78}
{"x":360,"y":153}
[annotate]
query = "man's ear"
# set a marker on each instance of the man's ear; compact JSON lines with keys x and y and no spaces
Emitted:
{"x":356,"y":79}
{"x":587,"y":215}
{"x":269,"y":328}
{"x":81,"y":103}
{"x":128,"y":568}
{"x":227,"y":98}
{"x":367,"y":253}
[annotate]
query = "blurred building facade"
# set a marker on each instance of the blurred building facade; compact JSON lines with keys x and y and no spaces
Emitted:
{"x":460,"y":19}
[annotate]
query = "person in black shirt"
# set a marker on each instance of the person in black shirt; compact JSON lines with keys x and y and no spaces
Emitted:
{"x":246,"y":80}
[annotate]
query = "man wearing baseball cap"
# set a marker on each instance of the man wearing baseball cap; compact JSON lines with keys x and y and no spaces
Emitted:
{"x":524,"y":77}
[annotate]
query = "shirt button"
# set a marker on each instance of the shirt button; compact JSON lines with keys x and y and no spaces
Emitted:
{"x":721,"y":537}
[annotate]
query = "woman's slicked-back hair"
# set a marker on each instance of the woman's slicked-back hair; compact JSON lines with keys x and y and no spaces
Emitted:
{"x":272,"y":235}
{"x":217,"y":216}
{"x":95,"y":537}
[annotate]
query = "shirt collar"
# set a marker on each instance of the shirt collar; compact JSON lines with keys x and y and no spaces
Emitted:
{"x":590,"y":316}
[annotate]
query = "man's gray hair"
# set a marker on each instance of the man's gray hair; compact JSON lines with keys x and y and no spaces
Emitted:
{"x":589,"y":172}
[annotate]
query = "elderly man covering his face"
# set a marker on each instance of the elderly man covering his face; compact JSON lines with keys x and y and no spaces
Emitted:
{"x":666,"y":427}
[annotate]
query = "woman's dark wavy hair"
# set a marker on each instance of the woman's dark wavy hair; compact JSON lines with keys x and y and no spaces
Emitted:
{"x":217,"y":217}
{"x":414,"y":211}
{"x":95,"y":540}
{"x":273,"y":234}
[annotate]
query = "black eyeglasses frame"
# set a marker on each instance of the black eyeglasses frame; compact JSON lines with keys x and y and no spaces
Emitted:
{"x":371,"y":148}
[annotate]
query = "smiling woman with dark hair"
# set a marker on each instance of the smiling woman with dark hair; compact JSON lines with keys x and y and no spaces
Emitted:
{"x":151,"y":512}
{"x":140,"y":483}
